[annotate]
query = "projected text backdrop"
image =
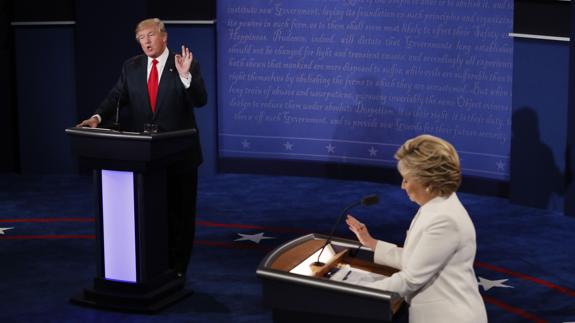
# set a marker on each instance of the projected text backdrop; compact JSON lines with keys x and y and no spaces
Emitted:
{"x":349,"y":81}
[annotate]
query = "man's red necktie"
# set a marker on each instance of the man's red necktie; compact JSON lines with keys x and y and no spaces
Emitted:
{"x":153,"y":85}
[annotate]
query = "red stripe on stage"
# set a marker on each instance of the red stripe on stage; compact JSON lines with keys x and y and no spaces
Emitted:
{"x":46,"y":220}
{"x":489,"y":300}
{"x":230,"y":245}
{"x":91,"y":236}
{"x":512,"y":309}
{"x":557,"y":288}
{"x":247,"y":226}
{"x":199,"y":223}
{"x":52,"y":236}
{"x":560,"y":289}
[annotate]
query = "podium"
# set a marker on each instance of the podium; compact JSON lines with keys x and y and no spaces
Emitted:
{"x":130,"y":171}
{"x":312,"y":296}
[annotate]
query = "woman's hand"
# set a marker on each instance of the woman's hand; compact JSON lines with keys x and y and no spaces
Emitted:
{"x":361,"y":232}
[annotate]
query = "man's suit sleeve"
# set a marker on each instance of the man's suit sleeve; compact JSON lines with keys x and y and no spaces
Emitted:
{"x":197,"y":90}
{"x":117,"y":95}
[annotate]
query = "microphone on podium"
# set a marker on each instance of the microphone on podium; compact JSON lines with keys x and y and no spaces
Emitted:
{"x":116,"y":124}
{"x":365,"y":201}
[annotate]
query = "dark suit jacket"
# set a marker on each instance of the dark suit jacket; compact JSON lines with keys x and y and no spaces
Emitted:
{"x":174,"y":107}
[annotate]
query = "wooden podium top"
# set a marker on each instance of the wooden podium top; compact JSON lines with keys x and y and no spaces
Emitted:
{"x":292,"y":257}
{"x":315,"y":291}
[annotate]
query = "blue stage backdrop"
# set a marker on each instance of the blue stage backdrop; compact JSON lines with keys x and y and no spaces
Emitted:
{"x":349,"y":81}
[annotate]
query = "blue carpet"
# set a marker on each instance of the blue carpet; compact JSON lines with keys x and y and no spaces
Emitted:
{"x":49,"y":254}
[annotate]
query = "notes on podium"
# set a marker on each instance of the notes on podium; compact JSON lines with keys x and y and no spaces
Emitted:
{"x":350,"y":275}
{"x":295,"y":288}
{"x":335,"y":268}
{"x":307,"y":266}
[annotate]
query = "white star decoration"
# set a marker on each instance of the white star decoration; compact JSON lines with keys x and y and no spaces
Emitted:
{"x":330,"y":148}
{"x":253,"y":237}
{"x":288,"y":145}
{"x":245,"y":144}
{"x":372,"y":152}
{"x":488,"y":284}
{"x":4,"y":229}
{"x":500,"y":165}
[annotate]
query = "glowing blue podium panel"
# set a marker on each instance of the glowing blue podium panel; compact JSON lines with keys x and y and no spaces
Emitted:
{"x":118,"y":221}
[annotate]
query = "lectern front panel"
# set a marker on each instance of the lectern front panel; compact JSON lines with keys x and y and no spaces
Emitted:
{"x":118,"y":225}
{"x":130,"y":180}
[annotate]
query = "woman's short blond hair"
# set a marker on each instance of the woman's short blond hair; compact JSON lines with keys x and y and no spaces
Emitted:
{"x":151,"y":22}
{"x":432,"y":161}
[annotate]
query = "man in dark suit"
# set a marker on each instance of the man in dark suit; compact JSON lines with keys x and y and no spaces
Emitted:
{"x":162,"y":88}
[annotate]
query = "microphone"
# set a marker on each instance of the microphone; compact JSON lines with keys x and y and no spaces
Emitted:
{"x":365,"y":201}
{"x":116,"y":124}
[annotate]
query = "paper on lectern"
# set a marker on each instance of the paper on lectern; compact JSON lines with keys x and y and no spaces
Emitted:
{"x":304,"y":267}
{"x":350,"y":275}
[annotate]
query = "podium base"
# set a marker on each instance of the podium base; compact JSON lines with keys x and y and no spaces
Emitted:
{"x":129,"y":297}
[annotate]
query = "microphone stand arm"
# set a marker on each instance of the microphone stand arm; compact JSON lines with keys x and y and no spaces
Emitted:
{"x":116,"y":124}
{"x":328,"y":240}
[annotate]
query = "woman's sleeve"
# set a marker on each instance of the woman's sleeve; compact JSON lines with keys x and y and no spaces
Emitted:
{"x":387,"y":254}
{"x":435,"y":247}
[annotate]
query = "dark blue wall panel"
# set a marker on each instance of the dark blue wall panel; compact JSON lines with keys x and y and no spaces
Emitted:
{"x":570,"y":151}
{"x":200,"y":39}
{"x":540,"y":101}
{"x":46,"y":96}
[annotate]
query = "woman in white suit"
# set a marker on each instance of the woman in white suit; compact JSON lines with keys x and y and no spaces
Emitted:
{"x":436,"y":274}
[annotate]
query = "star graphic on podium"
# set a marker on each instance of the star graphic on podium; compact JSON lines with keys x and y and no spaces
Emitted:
{"x":488,"y":284}
{"x":4,"y":229}
{"x":253,"y":237}
{"x":246,"y":144}
{"x":372,"y":152}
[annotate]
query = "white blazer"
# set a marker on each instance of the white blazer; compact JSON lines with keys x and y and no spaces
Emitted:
{"x":436,"y":274}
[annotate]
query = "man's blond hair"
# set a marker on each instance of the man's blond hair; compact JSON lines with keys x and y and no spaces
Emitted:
{"x":155,"y":22}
